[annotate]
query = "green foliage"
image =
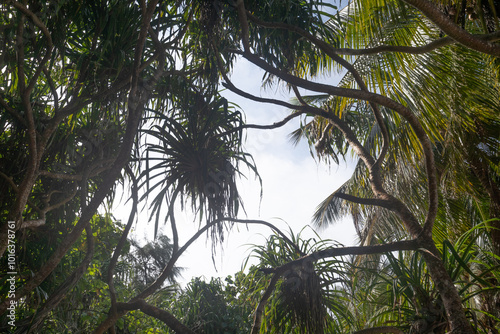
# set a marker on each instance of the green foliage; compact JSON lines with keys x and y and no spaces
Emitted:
{"x":214,"y":307}
{"x":197,"y":156}
{"x":308,"y":297}
{"x":94,"y":93}
{"x":399,"y":291}
{"x":452,"y":90}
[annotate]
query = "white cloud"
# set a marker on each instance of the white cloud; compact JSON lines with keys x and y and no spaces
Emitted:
{"x":293,"y":185}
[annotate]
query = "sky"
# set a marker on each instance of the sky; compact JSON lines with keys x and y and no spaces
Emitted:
{"x":293,"y":184}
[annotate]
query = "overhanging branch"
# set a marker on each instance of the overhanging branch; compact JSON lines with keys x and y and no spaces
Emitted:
{"x":453,"y":30}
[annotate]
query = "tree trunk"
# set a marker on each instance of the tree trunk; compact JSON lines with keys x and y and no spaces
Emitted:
{"x":452,"y":302}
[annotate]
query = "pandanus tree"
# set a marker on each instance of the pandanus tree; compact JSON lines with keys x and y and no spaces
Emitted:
{"x":76,"y":79}
{"x":96,"y":93}
{"x":393,"y":115}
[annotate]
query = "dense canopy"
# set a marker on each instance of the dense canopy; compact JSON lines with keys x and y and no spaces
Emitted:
{"x":99,"y":94}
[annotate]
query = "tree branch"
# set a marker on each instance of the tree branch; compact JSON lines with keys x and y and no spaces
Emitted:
{"x":122,"y":241}
{"x":436,"y":44}
{"x":365,"y":201}
{"x":49,"y":44}
{"x":242,"y":16}
{"x":380,"y":330}
{"x":157,"y":313}
{"x":53,"y":90}
{"x":376,"y":177}
{"x":331,"y":252}
{"x":454,"y":31}
{"x":12,"y":111}
{"x":257,"y":319}
{"x":410,"y":221}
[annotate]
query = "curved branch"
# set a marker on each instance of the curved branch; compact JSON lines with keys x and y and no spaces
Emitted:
{"x":332,"y":252}
{"x":431,"y":46}
{"x":157,"y":313}
{"x":454,"y":31}
{"x":376,"y":177}
{"x":377,"y":99}
{"x":271,"y":226}
{"x":87,"y":214}
{"x":175,"y":256}
{"x":112,"y":318}
{"x":229,"y":85}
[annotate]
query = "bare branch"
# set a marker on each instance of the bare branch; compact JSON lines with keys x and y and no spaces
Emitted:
{"x":431,"y":46}
{"x":365,"y":201}
{"x":270,"y":126}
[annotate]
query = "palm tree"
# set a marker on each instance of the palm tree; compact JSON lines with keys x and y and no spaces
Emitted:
{"x":403,"y":138}
{"x":454,"y":91}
